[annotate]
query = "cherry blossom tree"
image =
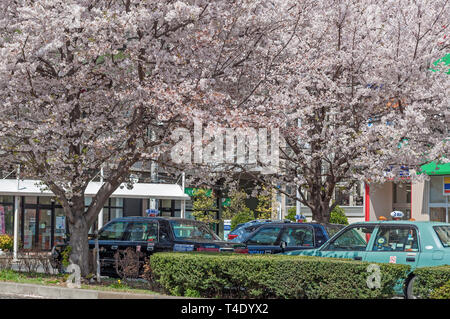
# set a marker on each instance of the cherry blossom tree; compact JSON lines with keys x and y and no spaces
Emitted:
{"x":356,"y":96}
{"x":91,"y":84}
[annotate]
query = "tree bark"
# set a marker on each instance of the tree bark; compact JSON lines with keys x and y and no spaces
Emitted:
{"x":80,"y":245}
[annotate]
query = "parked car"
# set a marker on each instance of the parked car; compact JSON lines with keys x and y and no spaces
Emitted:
{"x":149,"y":235}
{"x":242,"y":231}
{"x":279,"y":237}
{"x":417,"y":244}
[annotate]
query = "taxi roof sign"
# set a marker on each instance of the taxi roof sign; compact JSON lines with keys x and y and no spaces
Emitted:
{"x":396,"y":214}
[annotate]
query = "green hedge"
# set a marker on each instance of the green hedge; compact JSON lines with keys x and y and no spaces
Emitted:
{"x":269,"y":276}
{"x":430,"y":279}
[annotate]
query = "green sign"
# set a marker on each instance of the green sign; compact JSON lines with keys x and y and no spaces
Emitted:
{"x":226,"y":202}
{"x":446,"y":60}
{"x":436,"y":169}
{"x":190,"y":191}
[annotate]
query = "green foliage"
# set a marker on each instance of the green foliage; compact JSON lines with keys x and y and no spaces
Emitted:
{"x":244,"y":216}
{"x":192,"y":293}
{"x":204,"y":206}
{"x":264,"y":208}
{"x":236,"y":204}
{"x":430,"y":280}
{"x":65,"y":254}
{"x":337,"y":216}
{"x":6,"y":242}
{"x":442,"y":292}
{"x":291,"y":214}
{"x":227,"y":275}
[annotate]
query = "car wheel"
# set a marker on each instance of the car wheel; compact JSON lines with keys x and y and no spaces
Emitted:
{"x":410,"y":289}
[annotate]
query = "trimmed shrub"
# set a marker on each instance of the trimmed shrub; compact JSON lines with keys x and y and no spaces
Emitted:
{"x":228,"y":275}
{"x":442,"y":292}
{"x":431,"y":279}
{"x":337,"y":216}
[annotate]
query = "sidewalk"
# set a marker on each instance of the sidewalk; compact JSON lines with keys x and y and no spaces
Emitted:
{"x":50,"y":292}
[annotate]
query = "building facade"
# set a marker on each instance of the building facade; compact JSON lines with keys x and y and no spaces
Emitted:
{"x":37,"y":221}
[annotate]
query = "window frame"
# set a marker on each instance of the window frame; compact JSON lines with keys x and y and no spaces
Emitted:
{"x":439,"y":237}
{"x":326,"y":246}
{"x":395,"y":226}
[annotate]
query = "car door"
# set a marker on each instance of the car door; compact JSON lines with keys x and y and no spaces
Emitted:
{"x":265,"y":240}
{"x":351,"y":243}
{"x":397,"y":244}
{"x":297,"y":237}
{"x":165,"y":242}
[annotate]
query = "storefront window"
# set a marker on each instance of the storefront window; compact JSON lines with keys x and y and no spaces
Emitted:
{"x":401,"y":193}
{"x":437,"y":214}
{"x":358,"y":198}
{"x":116,"y":213}
{"x":342,"y":196}
{"x":7,"y":199}
{"x":6,"y":219}
{"x":30,"y":200}
{"x":116,"y":202}
{"x":46,"y":200}
{"x":436,"y":190}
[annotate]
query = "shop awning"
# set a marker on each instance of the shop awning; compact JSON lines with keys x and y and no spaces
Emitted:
{"x":436,"y":169}
{"x":28,"y":187}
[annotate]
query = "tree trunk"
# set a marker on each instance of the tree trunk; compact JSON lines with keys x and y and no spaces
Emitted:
{"x":80,"y":245}
{"x":321,"y":211}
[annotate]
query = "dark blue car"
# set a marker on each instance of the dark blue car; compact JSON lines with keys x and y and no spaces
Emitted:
{"x":242,"y":231}
{"x":273,"y":238}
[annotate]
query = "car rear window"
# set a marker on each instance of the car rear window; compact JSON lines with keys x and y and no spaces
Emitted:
{"x":333,"y":229}
{"x":443,"y":233}
{"x":192,"y":230}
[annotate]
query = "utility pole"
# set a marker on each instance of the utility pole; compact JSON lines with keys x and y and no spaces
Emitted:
{"x":100,"y":215}
{"x":183,"y":202}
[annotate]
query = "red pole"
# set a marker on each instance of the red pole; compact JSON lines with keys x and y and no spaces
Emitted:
{"x":367,"y":202}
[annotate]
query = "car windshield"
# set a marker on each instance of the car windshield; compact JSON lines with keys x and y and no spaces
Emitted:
{"x":192,"y":230}
{"x":443,"y":233}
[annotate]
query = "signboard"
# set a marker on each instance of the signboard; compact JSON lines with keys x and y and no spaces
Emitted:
{"x":191,"y":191}
{"x":226,"y":202}
{"x":226,"y":228}
{"x":397,"y":214}
{"x":60,"y":222}
{"x":446,"y":185}
{"x":152,"y":212}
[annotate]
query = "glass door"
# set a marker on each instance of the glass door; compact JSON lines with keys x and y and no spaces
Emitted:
{"x":45,"y":229}
{"x":29,"y":229}
{"x":60,"y":226}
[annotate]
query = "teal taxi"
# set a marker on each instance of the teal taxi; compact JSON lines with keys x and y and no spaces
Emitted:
{"x":413,"y":243}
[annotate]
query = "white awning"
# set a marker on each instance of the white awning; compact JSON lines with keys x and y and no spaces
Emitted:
{"x":28,"y":187}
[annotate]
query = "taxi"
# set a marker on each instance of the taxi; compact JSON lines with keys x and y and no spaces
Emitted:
{"x":413,"y":243}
